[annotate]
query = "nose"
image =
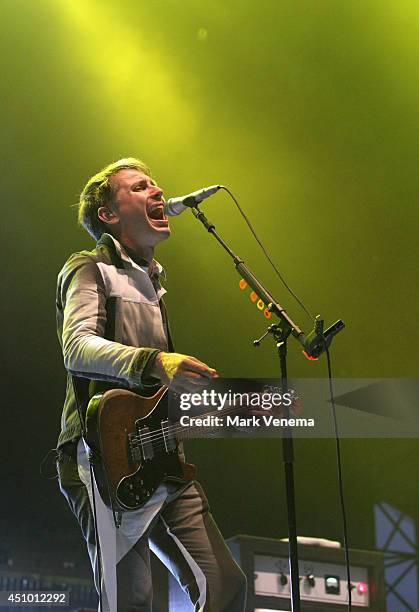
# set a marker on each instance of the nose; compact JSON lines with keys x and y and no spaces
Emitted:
{"x":156,"y":192}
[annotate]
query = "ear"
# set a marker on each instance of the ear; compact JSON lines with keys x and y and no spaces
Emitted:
{"x":107,"y":216}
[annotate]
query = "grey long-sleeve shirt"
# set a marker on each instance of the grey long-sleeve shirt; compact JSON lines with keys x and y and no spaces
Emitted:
{"x":109,"y":322}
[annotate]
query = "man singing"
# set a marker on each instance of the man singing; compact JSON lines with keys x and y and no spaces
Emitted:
{"x":113,"y":329}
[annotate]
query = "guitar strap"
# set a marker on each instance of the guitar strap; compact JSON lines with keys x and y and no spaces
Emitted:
{"x":84,"y":389}
{"x":166,"y":325}
{"x":81,"y":396}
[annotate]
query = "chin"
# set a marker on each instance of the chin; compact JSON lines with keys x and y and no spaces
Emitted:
{"x":163,"y":234}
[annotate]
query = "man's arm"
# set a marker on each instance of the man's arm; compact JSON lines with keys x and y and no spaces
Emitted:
{"x":87,"y":353}
{"x":82,"y":301}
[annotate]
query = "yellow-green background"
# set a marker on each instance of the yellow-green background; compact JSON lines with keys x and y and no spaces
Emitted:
{"x":308,"y":111}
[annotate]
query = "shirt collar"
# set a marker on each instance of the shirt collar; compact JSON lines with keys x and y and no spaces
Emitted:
{"x":154,"y":270}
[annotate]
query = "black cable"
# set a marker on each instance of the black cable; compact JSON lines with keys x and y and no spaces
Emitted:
{"x":268,"y":257}
{"x":340,"y":482}
{"x":329,"y":368}
{"x":53,"y":452}
{"x":335,"y":423}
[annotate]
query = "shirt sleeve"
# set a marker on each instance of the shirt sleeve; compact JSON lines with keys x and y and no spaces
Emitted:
{"x":81,"y":303}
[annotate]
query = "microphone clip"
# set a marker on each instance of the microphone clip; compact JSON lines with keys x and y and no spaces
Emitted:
{"x":319,"y":340}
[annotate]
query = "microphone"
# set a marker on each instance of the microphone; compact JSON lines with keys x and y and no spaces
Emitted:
{"x":175,"y":206}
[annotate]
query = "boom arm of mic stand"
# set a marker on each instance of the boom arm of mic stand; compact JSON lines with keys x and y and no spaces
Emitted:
{"x":317,"y":341}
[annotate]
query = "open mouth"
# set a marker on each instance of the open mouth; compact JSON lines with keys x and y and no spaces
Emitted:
{"x":157,"y":213}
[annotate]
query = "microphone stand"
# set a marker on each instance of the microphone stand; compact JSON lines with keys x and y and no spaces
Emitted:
{"x":313,"y":344}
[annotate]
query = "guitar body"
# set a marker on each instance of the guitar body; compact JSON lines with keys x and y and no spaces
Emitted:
{"x":133,"y":446}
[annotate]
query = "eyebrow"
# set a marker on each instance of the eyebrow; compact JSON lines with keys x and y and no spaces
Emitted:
{"x":143,"y":180}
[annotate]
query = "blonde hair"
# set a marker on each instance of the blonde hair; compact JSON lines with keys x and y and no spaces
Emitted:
{"x":98,"y":192}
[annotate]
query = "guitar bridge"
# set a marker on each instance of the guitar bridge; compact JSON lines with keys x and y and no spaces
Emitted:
{"x":146,"y":444}
{"x":169,"y":438}
{"x":134,"y":448}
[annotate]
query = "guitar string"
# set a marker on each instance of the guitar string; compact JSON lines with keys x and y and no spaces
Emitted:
{"x":157,"y":446}
{"x":154,"y":437}
{"x":176,"y":428}
{"x":173,"y":429}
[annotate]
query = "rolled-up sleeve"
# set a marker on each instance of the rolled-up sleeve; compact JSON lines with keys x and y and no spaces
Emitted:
{"x":81,"y":304}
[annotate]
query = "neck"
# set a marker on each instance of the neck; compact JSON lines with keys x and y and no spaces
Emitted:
{"x":139,"y":253}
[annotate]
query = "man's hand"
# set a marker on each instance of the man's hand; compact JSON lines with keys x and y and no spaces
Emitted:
{"x":182,"y":373}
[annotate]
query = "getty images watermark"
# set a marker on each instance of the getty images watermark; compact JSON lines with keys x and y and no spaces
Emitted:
{"x":250,"y":409}
{"x":363,"y":408}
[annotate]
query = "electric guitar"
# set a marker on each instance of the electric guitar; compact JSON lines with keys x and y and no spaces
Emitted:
{"x":134,"y":447}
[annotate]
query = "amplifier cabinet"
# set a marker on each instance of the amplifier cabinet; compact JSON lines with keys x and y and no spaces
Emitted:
{"x":323,"y":583}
